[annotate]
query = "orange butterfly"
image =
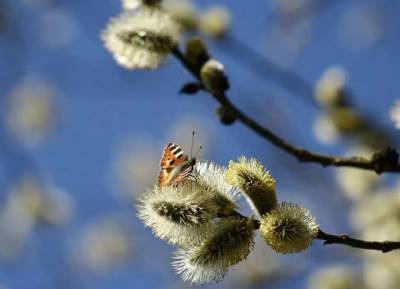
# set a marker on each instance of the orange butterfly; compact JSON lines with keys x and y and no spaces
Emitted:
{"x":175,"y":165}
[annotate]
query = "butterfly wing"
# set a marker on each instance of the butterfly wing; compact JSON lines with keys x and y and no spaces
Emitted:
{"x":173,"y":165}
{"x":184,"y":171}
{"x":172,"y":156}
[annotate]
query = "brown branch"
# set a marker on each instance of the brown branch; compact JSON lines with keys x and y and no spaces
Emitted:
{"x":379,"y":163}
{"x":385,"y":246}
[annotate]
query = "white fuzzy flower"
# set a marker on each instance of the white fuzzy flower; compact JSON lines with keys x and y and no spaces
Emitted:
{"x":180,"y":215}
{"x":212,"y":176}
{"x":335,"y":277}
{"x":141,"y":39}
{"x":102,"y":246}
{"x":230,"y":242}
{"x":133,"y":4}
{"x":395,"y":114}
{"x":31,"y":110}
{"x":325,"y":130}
{"x":215,"y":22}
{"x":329,"y":88}
{"x":183,"y":11}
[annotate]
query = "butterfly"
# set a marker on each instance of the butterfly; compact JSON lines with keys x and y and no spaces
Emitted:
{"x":175,"y":166}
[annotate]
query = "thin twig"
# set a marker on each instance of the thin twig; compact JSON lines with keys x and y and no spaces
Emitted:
{"x":385,"y":246}
{"x":379,"y":165}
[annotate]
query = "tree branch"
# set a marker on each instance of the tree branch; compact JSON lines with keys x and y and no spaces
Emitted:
{"x":385,"y":246}
{"x":379,"y":162}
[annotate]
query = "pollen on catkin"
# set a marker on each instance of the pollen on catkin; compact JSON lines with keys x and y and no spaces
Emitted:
{"x":179,"y":215}
{"x":289,"y":228}
{"x":255,"y":182}
{"x":141,"y":39}
{"x":230,"y":242}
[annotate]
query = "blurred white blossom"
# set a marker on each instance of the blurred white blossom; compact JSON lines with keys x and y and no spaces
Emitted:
{"x":382,"y":272}
{"x":335,"y":277}
{"x":325,"y":130}
{"x":356,"y":183}
{"x":215,"y":21}
{"x":395,"y":114}
{"x":183,"y":12}
{"x":330,"y":86}
{"x":102,"y":245}
{"x":362,"y":24}
{"x":31,"y":110}
{"x":377,"y":218}
{"x":30,"y":203}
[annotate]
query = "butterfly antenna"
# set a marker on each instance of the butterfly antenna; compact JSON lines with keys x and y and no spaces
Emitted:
{"x":191,"y":147}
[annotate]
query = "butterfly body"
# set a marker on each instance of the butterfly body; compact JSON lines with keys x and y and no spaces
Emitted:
{"x":175,"y":165}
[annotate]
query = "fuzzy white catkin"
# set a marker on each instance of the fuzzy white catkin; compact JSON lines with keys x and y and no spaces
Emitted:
{"x":179,"y":215}
{"x":230,"y":242}
{"x":141,"y":39}
{"x":133,"y":4}
{"x":183,"y":215}
{"x":211,"y":176}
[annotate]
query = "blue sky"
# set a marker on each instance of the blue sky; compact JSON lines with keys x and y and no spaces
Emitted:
{"x":100,"y":107}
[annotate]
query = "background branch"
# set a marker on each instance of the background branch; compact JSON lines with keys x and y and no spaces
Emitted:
{"x":295,"y":84}
{"x":385,"y":161}
{"x":289,"y":80}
